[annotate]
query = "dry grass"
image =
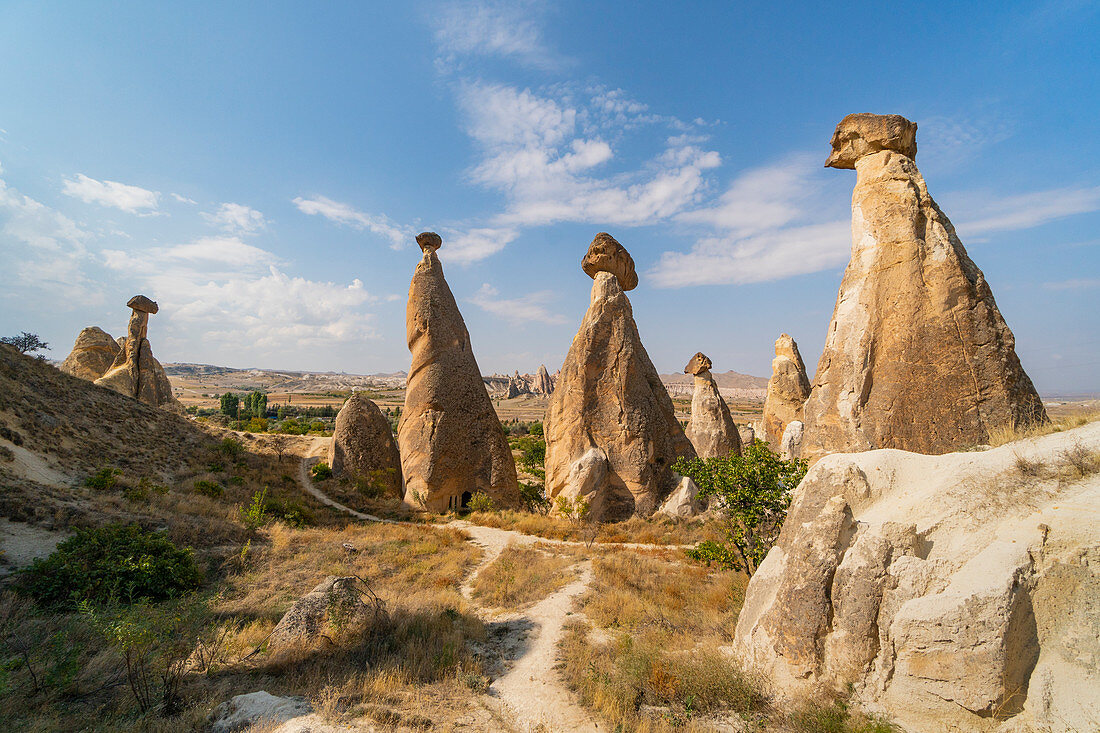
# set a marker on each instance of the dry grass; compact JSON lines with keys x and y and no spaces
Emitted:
{"x":654,"y":531}
{"x":520,"y":576}
{"x":1067,"y":420}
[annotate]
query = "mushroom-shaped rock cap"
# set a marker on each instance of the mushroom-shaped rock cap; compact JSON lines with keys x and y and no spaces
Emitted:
{"x":605,"y":254}
{"x":699,"y":363}
{"x":864,"y":133}
{"x":429,"y":241}
{"x":143,"y":304}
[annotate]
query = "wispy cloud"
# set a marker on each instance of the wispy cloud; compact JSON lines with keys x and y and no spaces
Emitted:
{"x":1082,"y":283}
{"x":183,"y":199}
{"x":473,"y":245}
{"x":487,"y":28}
{"x":131,"y":199}
{"x":237,"y":218}
{"x":1027,"y":210}
{"x":527,"y":309}
{"x":535,"y":151}
{"x":399,"y":235}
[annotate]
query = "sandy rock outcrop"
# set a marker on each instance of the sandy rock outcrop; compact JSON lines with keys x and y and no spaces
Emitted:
{"x":260,"y":709}
{"x":788,"y":389}
{"x":93,"y":354}
{"x":543,"y":383}
{"x":451,"y":441}
{"x":952,"y":592}
{"x":336,"y":602}
{"x":363,"y":446}
{"x":917,"y":356}
{"x":711,"y":430}
{"x":683,"y":502}
{"x":611,"y":430}
{"x":135,"y":372}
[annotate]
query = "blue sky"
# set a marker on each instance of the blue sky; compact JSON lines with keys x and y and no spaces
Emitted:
{"x":260,"y":169}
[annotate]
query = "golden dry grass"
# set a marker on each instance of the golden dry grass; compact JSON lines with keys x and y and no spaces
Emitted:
{"x":1066,"y":419}
{"x":520,"y":576}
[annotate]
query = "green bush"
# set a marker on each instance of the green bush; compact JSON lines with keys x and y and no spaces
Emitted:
{"x":481,"y":502}
{"x":231,"y":447}
{"x":754,"y":490}
{"x":117,"y":563}
{"x":534,"y":498}
{"x":321,"y":471}
{"x":104,"y":479}
{"x":209,"y":488}
{"x":535,"y":429}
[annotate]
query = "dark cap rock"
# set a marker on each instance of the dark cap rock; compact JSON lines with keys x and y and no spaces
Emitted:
{"x":699,"y":363}
{"x":143,"y":304}
{"x":862,"y":134}
{"x":605,"y":254}
{"x":429,"y":241}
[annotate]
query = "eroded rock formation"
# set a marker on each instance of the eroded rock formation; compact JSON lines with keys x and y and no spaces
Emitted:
{"x":93,"y":354}
{"x":951,"y":592}
{"x":611,"y":431}
{"x":363,"y":446}
{"x":135,"y":372}
{"x":543,"y":383}
{"x":711,"y":430}
{"x":788,"y":389}
{"x":451,"y":441}
{"x":917,"y":355}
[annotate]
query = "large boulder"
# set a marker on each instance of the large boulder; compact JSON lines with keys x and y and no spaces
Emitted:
{"x":335,"y":603}
{"x":260,"y":709}
{"x":917,"y":356}
{"x":788,"y":389}
{"x":611,"y":430}
{"x":451,"y":441}
{"x":951,"y":592}
{"x":93,"y":354}
{"x":711,"y":430}
{"x":363,"y":446}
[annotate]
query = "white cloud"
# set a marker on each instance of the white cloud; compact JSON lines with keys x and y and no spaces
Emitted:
{"x":527,"y":309}
{"x":488,"y":28}
{"x":183,"y":199}
{"x":131,"y":199}
{"x":224,"y":291}
{"x":1081,"y":283}
{"x":472,"y":245}
{"x":1023,"y":211}
{"x":772,"y":222}
{"x":534,"y":152}
{"x":237,"y":218}
{"x":400,"y":236}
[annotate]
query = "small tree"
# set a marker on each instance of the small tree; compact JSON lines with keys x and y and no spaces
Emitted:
{"x":280,"y":443}
{"x":753,"y":491}
{"x":27,"y":343}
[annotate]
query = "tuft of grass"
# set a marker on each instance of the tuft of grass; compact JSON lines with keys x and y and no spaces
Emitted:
{"x":520,"y":576}
{"x":1002,"y":434}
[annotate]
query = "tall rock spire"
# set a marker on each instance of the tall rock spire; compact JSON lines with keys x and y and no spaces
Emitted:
{"x":711,"y":430}
{"x":451,"y":441}
{"x":917,"y":355}
{"x":788,"y":389}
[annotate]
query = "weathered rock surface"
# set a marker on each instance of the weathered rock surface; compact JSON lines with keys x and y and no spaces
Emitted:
{"x":788,"y":389}
{"x":711,"y":430}
{"x":683,"y":502}
{"x":605,"y":254}
{"x":135,"y":372}
{"x":790,"y":446}
{"x":336,"y":602}
{"x":256,"y":709}
{"x":93,"y":354}
{"x":952,"y":592}
{"x":917,"y":355}
{"x":611,"y":430}
{"x":543,"y":383}
{"x":451,"y":441}
{"x":363,"y":446}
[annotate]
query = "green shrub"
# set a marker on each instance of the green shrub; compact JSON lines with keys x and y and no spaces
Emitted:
{"x":321,"y":471}
{"x":754,"y":491}
{"x":117,"y":563}
{"x":144,"y":488}
{"x":209,"y":488}
{"x":534,"y":498}
{"x":535,"y":428}
{"x":230,"y":447}
{"x":481,"y":502}
{"x":104,"y":479}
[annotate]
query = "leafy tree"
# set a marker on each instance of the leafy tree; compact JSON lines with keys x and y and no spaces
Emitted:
{"x":27,"y":343}
{"x":255,"y":404}
{"x":230,"y":403}
{"x":535,"y":428}
{"x":754,"y":490}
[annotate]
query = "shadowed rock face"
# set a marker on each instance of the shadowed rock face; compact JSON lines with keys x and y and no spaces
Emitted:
{"x":451,"y":441}
{"x":135,"y":372}
{"x":788,"y":389}
{"x":611,"y":431}
{"x":711,"y":430}
{"x":917,"y":355}
{"x":363,"y":446}
{"x":93,"y":354}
